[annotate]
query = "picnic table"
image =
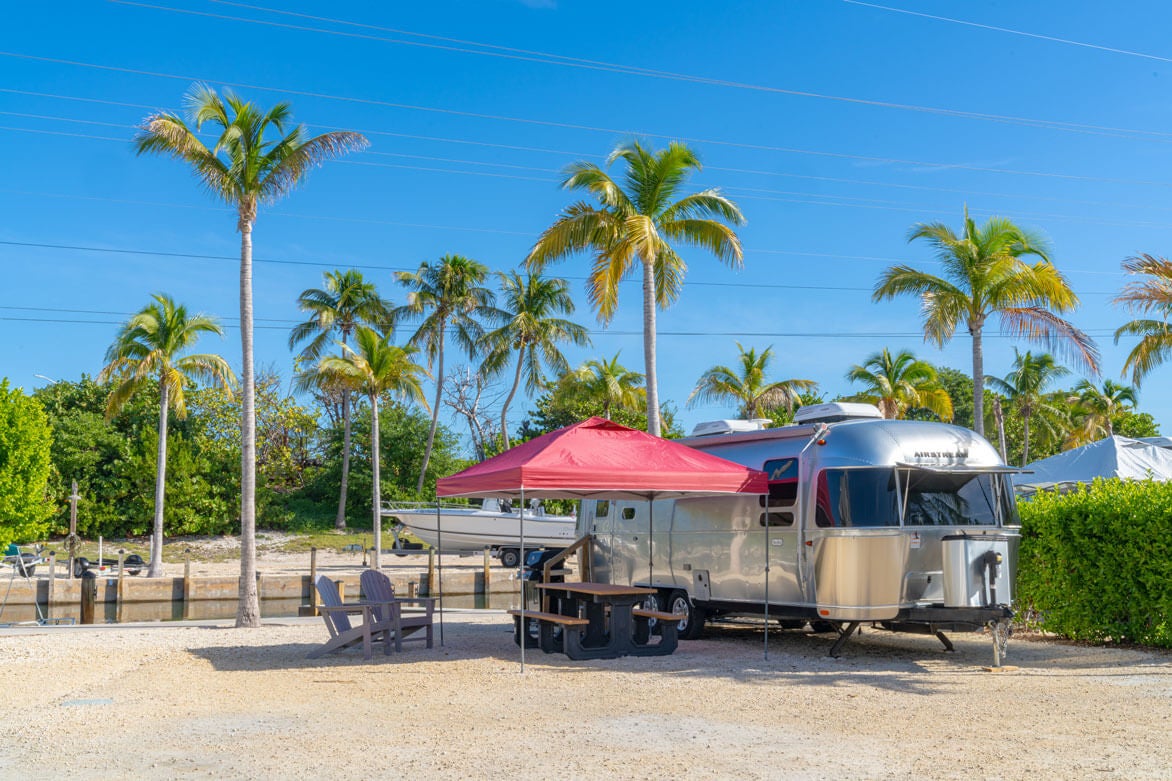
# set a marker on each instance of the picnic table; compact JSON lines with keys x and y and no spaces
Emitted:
{"x":601,"y":621}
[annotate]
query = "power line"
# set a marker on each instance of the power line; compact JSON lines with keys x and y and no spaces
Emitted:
{"x":572,"y":126}
{"x":1022,"y":33}
{"x":486,"y":50}
{"x":371,"y":267}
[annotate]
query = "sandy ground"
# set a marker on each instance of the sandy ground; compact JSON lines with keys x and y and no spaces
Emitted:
{"x":167,"y":701}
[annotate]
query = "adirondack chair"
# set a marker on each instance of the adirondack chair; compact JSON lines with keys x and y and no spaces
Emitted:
{"x":380,"y":592}
{"x":343,"y":633}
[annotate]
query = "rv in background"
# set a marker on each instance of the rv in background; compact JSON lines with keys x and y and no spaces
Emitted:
{"x":910,"y":525}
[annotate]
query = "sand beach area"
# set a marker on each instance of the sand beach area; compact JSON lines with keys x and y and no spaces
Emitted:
{"x":210,"y":701}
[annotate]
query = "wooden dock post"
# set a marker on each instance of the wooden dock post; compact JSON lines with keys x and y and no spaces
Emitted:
{"x":487,"y":577}
{"x":52,"y":581}
{"x":431,"y":588}
{"x":72,"y":540}
{"x":89,"y":595}
{"x":120,"y":596}
{"x":313,"y":581}
{"x":187,"y":584}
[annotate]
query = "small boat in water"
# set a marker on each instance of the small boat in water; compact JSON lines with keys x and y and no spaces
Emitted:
{"x":495,"y":525}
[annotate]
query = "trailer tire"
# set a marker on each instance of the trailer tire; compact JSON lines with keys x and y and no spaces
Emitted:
{"x":693,"y":626}
{"x":26,"y":565}
{"x":510,"y":557}
{"x":821,"y":627}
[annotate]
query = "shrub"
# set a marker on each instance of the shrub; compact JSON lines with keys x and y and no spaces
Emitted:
{"x":1096,"y":563}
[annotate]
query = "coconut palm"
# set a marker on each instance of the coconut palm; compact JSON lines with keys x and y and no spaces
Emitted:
{"x":151,"y":349}
{"x":746,"y":387}
{"x":984,"y":276}
{"x":897,"y":383}
{"x":530,"y":327}
{"x":1096,"y":407}
{"x":1147,"y":296}
{"x":345,"y":300}
{"x":449,"y":294}
{"x":636,"y":224}
{"x":244,"y":169}
{"x":375,"y":366}
{"x":1025,"y":387}
{"x":608,"y":384}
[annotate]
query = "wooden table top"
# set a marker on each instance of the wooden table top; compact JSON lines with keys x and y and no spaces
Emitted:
{"x":597,"y":589}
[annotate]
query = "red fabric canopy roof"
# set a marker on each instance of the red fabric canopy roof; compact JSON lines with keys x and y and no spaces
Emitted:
{"x":601,"y":458}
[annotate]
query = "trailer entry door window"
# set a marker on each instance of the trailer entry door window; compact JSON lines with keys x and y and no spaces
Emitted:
{"x":783,"y":491}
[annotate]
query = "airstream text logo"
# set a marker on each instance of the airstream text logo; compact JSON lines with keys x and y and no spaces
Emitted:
{"x":955,"y":455}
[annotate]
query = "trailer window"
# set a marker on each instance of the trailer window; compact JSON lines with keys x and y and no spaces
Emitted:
{"x":942,"y":499}
{"x":602,"y":508}
{"x":783,"y":492}
{"x":856,"y":498}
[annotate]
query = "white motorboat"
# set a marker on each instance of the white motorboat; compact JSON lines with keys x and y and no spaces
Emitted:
{"x":495,"y":525}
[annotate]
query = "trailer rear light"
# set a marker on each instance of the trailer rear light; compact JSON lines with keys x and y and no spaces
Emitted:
{"x":824,"y":613}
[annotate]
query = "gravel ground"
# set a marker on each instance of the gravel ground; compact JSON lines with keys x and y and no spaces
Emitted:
{"x":167,"y":701}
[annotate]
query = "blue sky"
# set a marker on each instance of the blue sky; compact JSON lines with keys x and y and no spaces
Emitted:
{"x":904,"y":118}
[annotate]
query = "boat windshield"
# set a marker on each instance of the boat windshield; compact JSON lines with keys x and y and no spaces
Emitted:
{"x":871,"y":497}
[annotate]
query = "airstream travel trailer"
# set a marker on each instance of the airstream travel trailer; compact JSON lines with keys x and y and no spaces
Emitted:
{"x":910,"y":525}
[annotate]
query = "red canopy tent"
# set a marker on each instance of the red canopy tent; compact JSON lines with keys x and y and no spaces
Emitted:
{"x":600,"y":458}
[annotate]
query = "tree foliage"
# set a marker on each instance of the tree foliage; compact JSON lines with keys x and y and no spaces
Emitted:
{"x":24,"y":466}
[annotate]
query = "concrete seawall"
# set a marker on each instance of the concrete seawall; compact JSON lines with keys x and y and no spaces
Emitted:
{"x":140,"y":598}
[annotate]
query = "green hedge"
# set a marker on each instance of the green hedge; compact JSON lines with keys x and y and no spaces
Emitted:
{"x":1096,"y":563}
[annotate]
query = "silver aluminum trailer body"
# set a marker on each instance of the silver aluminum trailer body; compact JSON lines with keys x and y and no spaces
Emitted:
{"x":908,"y":524}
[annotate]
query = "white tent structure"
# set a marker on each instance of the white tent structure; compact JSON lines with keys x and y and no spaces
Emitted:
{"x":1130,"y":459}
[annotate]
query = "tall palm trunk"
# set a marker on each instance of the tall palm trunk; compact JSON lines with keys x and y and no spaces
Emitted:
{"x":649,"y":347}
{"x":248,"y":611}
{"x":1025,"y":451}
{"x":978,"y":378}
{"x":509,"y":400}
{"x":377,"y":489}
{"x":439,"y":389}
{"x":155,"y":570}
{"x":340,"y":520}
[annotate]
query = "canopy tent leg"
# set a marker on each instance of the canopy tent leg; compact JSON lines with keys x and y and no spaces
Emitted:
{"x":439,"y":544}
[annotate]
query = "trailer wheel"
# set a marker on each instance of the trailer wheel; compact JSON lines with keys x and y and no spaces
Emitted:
{"x":510,"y":557}
{"x":25,"y":565}
{"x":693,"y":626}
{"x":821,"y":627}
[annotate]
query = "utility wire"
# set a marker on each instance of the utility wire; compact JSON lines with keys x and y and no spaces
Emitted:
{"x":573,"y":126}
{"x":489,"y":50}
{"x":1023,"y":33}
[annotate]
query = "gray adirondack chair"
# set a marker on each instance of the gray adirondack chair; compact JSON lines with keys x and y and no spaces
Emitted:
{"x":380,"y":592}
{"x":343,"y":632}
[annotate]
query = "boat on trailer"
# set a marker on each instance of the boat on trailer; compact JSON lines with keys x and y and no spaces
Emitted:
{"x":496,"y":525}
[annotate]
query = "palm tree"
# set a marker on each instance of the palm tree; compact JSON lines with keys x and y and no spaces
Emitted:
{"x":345,"y":301}
{"x":448,"y":294}
{"x":150,"y":349}
{"x":898,"y":383}
{"x":1025,"y":387}
{"x":376,"y":366}
{"x":746,"y":385}
{"x":1097,"y":407}
{"x":985,"y":276}
{"x":244,"y":170}
{"x":637,"y":225}
{"x":1153,"y":294}
{"x":531,"y":328}
{"x":608,"y":383}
